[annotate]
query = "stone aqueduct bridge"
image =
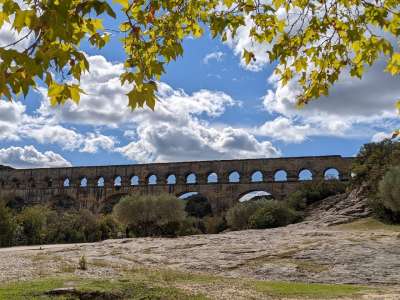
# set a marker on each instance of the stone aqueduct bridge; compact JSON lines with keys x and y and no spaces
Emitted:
{"x":99,"y":187}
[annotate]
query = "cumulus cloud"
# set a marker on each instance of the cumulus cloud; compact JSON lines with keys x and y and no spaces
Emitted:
{"x":30,"y":157}
{"x":242,"y":41}
{"x":176,"y":130}
{"x":353,"y":107}
{"x":213,"y":56}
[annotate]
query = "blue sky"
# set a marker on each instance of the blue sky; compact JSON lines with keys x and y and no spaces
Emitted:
{"x":211,"y":107}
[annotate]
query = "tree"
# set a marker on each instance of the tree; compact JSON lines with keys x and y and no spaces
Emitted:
{"x":389,"y":190}
{"x":313,"y":42}
{"x":8,"y":226}
{"x":151,"y":215}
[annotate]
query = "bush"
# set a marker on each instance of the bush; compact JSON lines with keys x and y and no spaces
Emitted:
{"x":160,"y":215}
{"x":389,"y":190}
{"x":273,"y":214}
{"x":33,"y":221}
{"x":237,"y":217}
{"x":198,"y":206}
{"x":372,"y":163}
{"x":8,"y":226}
{"x":386,"y":204}
{"x":314,"y":191}
{"x":214,"y":224}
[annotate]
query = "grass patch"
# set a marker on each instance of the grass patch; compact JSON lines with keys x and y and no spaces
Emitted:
{"x":140,"y":283}
{"x":367,"y":224}
{"x":310,"y":290}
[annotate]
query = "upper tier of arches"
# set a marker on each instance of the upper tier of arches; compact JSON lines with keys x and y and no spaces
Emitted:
{"x":213,"y":172}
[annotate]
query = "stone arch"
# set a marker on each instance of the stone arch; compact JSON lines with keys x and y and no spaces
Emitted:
{"x":83,"y":182}
{"x":101,"y":181}
{"x":66,"y":182}
{"x":118,"y":181}
{"x":212,"y":177}
{"x":171,"y":179}
{"x":257,"y":176}
{"x":331,"y":174}
{"x":64,"y":201}
{"x":152,"y":179}
{"x":234,"y":177}
{"x":49,"y":182}
{"x":191,"y":178}
{"x":134,"y":180}
{"x":15,"y":182}
{"x":186,"y":194}
{"x":31,"y":183}
{"x":305,"y":175}
{"x":253,"y":195}
{"x":280,"y":175}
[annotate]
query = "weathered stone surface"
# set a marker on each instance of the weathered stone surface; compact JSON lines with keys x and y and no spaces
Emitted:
{"x":339,"y":209}
{"x":42,"y":185}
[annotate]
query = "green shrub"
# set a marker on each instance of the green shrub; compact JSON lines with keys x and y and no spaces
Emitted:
{"x":389,"y":190}
{"x":386,"y":204}
{"x":272,"y":214}
{"x":214,"y":224}
{"x":160,"y":215}
{"x":198,"y":206}
{"x":314,"y":191}
{"x":372,"y":163}
{"x":8,"y":226}
{"x":237,"y":217}
{"x":33,"y":220}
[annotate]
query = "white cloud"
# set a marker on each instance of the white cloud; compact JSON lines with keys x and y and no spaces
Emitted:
{"x":30,"y":157}
{"x":218,"y":56}
{"x":354,"y":107}
{"x":380,"y":136}
{"x":242,"y":41}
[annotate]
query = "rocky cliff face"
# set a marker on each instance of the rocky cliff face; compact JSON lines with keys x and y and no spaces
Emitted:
{"x":339,"y":209}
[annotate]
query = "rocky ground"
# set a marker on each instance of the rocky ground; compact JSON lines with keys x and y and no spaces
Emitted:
{"x":317,"y":250}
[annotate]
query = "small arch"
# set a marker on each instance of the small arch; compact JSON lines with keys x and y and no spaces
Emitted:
{"x":32,"y":183}
{"x":234,"y":177}
{"x":118,"y":181}
{"x":84,"y":182}
{"x":152,"y":179}
{"x":15,"y":182}
{"x":212,"y":178}
{"x":191,"y":178}
{"x":67,"y":182}
{"x":280,"y":175}
{"x":254,"y":195}
{"x":257,"y":176}
{"x":331,"y":174}
{"x":305,"y":175}
{"x":134,"y":180}
{"x":171,"y":179}
{"x":100,"y":182}
{"x":49,"y":182}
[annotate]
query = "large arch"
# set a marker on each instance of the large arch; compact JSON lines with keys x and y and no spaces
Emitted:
{"x":100,"y":181}
{"x":254,"y":195}
{"x":83,"y":182}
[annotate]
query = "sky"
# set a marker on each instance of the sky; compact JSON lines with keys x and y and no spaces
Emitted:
{"x":211,"y":106}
